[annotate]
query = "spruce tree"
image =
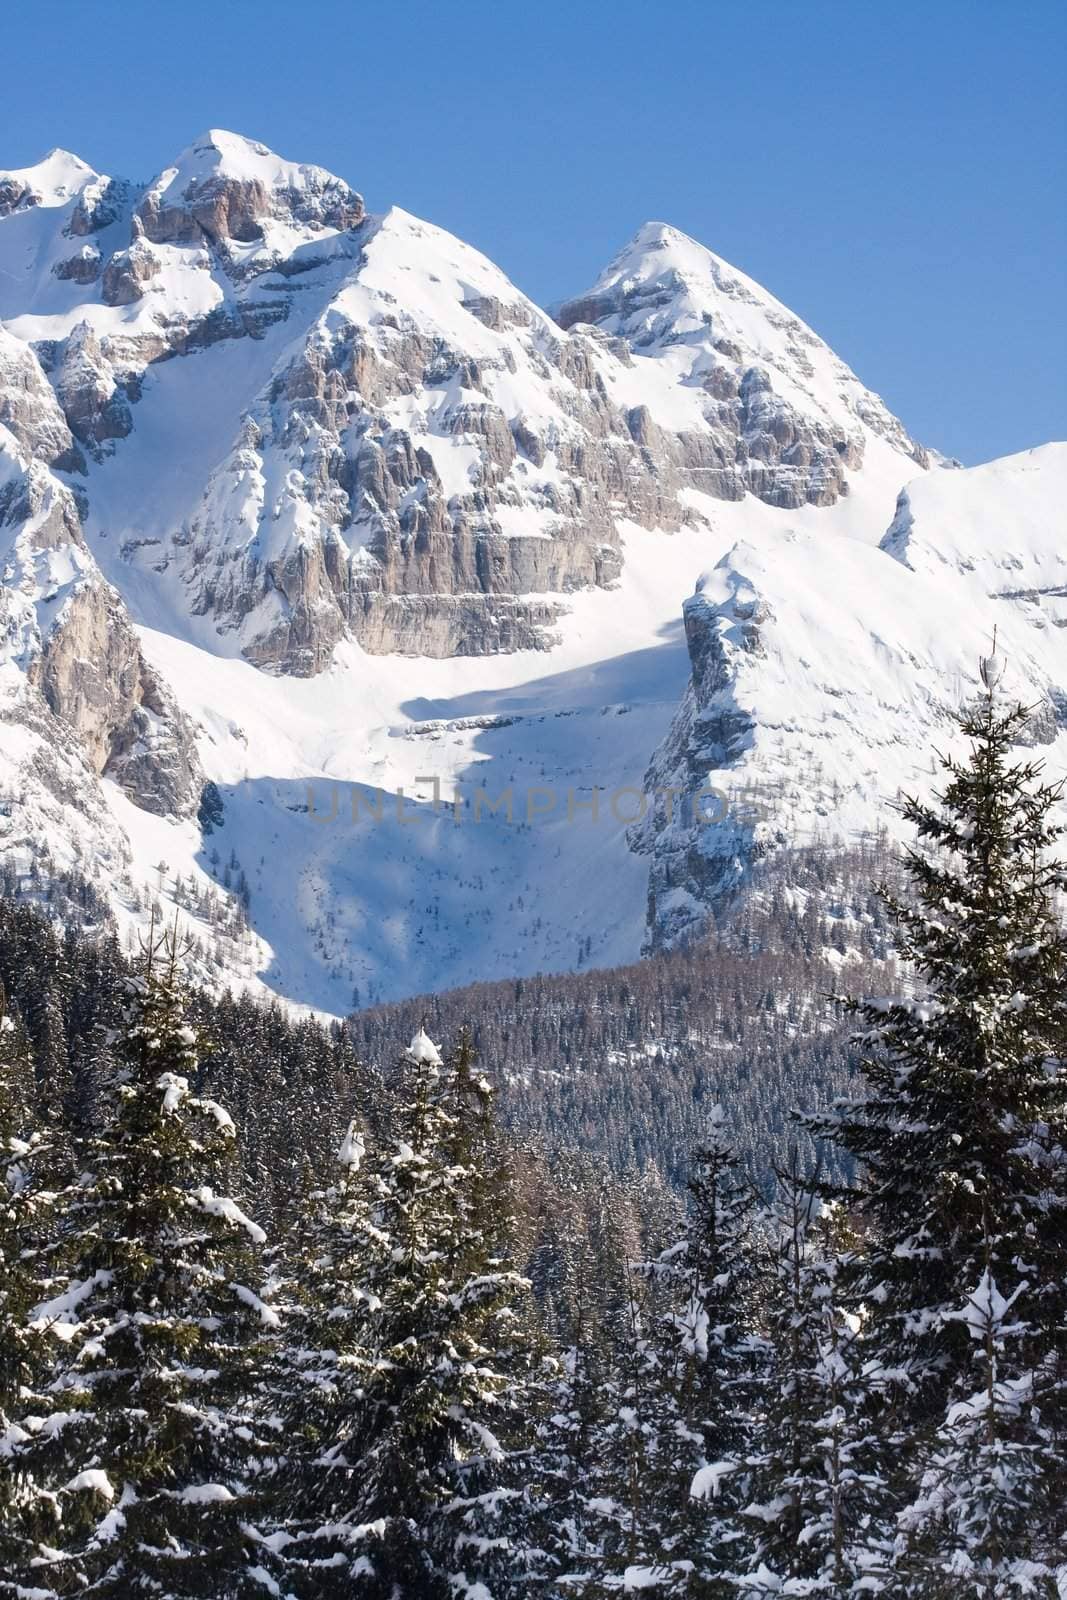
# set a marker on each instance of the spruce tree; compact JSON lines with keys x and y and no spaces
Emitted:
{"x":140,"y":1451}
{"x":27,"y":1234}
{"x":431,"y":1499}
{"x":783,"y":1463}
{"x":568,"y":1440}
{"x":638,"y":1476}
{"x":709,"y":1357}
{"x":986,"y":1488}
{"x":959,"y":1142}
{"x":811,"y":1524}
{"x":316,"y":1379}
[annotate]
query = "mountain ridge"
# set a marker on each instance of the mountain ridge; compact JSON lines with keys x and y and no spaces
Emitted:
{"x":375,"y":522}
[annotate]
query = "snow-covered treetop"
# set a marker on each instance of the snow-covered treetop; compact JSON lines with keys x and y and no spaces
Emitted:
{"x":992,"y":668}
{"x":423,"y":1049}
{"x":353,"y":1148}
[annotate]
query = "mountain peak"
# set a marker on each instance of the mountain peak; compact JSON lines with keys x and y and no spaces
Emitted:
{"x":52,"y":181}
{"x":663,"y":255}
{"x":653,"y":235}
{"x":225,"y":185}
{"x":231,"y":155}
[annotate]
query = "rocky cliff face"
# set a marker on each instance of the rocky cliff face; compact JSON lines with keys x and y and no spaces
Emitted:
{"x":30,"y":410}
{"x":295,"y":495}
{"x":429,"y":480}
{"x":65,"y":637}
{"x":106,"y":278}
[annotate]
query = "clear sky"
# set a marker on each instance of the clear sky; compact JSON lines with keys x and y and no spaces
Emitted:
{"x":895,"y":171}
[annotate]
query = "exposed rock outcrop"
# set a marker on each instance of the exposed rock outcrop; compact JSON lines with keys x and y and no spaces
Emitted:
{"x":127,"y":273}
{"x":102,"y":202}
{"x":432,"y":463}
{"x":29,"y":408}
{"x":68,"y":632}
{"x":412,"y":502}
{"x":15,"y":195}
{"x":95,"y":405}
{"x":82,"y":267}
{"x":701,"y":847}
{"x":93,"y":675}
{"x":226,"y":188}
{"x":775,"y":413}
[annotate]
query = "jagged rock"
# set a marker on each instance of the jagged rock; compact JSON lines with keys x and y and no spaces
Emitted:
{"x":463,"y":504}
{"x":69,"y":632}
{"x":427,"y":433}
{"x":82,"y":267}
{"x":95,"y":405}
{"x":767,"y":430}
{"x":226,"y":188}
{"x":99,"y":204}
{"x":696,"y":865}
{"x":127,"y":273}
{"x":93,"y":674}
{"x":496,"y":314}
{"x":28,"y":407}
{"x":15,"y":195}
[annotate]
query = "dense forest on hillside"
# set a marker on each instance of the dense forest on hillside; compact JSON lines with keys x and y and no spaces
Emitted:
{"x":628,"y":1060}
{"x":620,"y":1064}
{"x":291,"y":1087}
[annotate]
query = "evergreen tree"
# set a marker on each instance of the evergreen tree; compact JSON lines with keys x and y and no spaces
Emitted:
{"x":317,"y":1376}
{"x":811,"y":1525}
{"x":638,"y":1476}
{"x":986,"y":1487}
{"x":145,"y":1468}
{"x":27,"y":1225}
{"x":569,"y":1438}
{"x":435,"y":1502}
{"x":784,"y":1460}
{"x":708,"y":1362}
{"x":960,"y":1143}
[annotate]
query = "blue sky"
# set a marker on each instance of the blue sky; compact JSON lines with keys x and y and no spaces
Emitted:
{"x":894,"y":172}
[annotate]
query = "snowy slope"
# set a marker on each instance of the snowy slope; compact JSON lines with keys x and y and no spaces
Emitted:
{"x":382,"y":523}
{"x":825,"y":674}
{"x":1000,"y":531}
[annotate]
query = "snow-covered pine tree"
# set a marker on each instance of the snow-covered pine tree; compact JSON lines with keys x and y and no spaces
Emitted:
{"x":784,"y":1460}
{"x":315,"y":1383}
{"x":17,"y":1097}
{"x":708,"y":1357}
{"x":635,"y":1451}
{"x":145,"y":1466}
{"x":811,"y":1526}
{"x":568,"y":1464}
{"x":986,"y":1487}
{"x":27,"y":1233}
{"x":436,"y":1503}
{"x":960,"y":1137}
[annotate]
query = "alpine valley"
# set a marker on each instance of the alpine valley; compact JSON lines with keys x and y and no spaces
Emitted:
{"x":389,"y":626}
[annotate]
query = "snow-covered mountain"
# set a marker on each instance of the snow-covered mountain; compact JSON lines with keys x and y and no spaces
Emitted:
{"x":313,"y":504}
{"x":825,"y":674}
